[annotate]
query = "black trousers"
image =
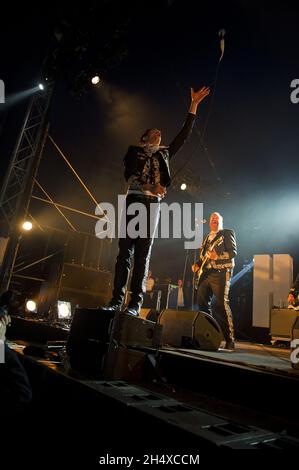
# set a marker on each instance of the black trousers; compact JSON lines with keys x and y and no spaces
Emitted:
{"x":217,"y":283}
{"x":135,"y":249}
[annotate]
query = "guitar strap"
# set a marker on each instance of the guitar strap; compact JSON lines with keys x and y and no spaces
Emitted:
{"x":206,"y":241}
{"x":219,"y":234}
{"x":203,"y":250}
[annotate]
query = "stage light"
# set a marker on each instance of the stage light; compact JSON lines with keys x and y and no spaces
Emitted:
{"x":31,"y":306}
{"x":64,"y":310}
{"x":27,"y":225}
{"x":41,"y":86}
{"x":95,"y":80}
{"x":183,"y":186}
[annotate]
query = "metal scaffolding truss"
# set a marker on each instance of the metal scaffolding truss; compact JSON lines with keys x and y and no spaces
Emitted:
{"x":19,"y":180}
{"x":24,"y":160}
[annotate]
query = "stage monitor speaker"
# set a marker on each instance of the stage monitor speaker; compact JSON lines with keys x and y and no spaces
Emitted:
{"x":149,"y":314}
{"x":89,"y":339}
{"x":186,"y":329}
{"x":93,"y":330}
{"x":123,"y":363}
{"x":136,"y":332}
{"x":144,"y":312}
{"x":295,"y":335}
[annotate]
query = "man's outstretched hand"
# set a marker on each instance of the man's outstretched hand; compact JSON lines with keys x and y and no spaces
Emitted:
{"x":195,"y":267}
{"x":198,"y":96}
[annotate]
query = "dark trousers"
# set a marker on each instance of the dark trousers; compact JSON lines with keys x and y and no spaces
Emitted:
{"x":217,"y":283}
{"x":137,"y":249}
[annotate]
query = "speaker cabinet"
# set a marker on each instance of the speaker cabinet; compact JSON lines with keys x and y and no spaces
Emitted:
{"x":89,"y":340}
{"x":122,"y":363}
{"x":144,"y":312}
{"x":149,"y":314}
{"x":78,"y":285}
{"x":136,"y":332}
{"x":282,"y":320}
{"x":97,"y":334}
{"x":81,"y":278}
{"x":185,"y":329}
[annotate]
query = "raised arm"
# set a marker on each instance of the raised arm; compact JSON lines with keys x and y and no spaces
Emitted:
{"x":196,"y":98}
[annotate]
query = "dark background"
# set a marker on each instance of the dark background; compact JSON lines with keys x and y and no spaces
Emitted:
{"x":250,"y":170}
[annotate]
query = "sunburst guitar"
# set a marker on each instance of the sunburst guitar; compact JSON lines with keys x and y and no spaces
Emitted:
{"x":205,"y":259}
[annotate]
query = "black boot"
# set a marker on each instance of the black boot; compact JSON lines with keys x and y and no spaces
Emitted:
{"x":134,"y":311}
{"x":229,"y":345}
{"x":113,"y":306}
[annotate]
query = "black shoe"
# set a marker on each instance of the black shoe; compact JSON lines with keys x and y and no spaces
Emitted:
{"x":134,"y":311}
{"x":112,"y":307}
{"x":230,"y":345}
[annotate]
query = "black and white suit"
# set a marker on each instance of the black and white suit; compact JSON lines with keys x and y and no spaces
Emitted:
{"x":138,"y":171}
{"x":215,"y":280}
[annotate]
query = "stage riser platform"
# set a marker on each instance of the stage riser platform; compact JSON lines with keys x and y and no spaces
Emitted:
{"x":102,"y":412}
{"x":269,"y":393}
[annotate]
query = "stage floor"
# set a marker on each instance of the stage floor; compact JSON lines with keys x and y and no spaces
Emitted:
{"x":241,"y":386}
{"x":249,"y":355}
{"x":254,"y":356}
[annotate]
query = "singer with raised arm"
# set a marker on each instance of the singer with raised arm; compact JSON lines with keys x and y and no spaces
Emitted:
{"x":147,"y":172}
{"x":213,"y":271}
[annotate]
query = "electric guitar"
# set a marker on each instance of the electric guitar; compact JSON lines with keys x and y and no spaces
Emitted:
{"x":205,"y":259}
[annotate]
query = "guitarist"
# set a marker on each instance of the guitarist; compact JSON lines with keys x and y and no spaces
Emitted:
{"x":218,"y":260}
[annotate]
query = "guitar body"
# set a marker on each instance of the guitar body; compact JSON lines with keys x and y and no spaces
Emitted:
{"x":205,"y":259}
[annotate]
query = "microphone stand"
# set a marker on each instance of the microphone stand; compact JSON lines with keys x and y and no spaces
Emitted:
{"x":193,"y":277}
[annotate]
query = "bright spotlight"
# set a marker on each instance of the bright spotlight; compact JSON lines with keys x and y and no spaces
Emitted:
{"x":64,"y":310}
{"x":31,"y":306}
{"x":27,"y":225}
{"x":183,"y":186}
{"x":41,"y":86}
{"x":95,"y":80}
